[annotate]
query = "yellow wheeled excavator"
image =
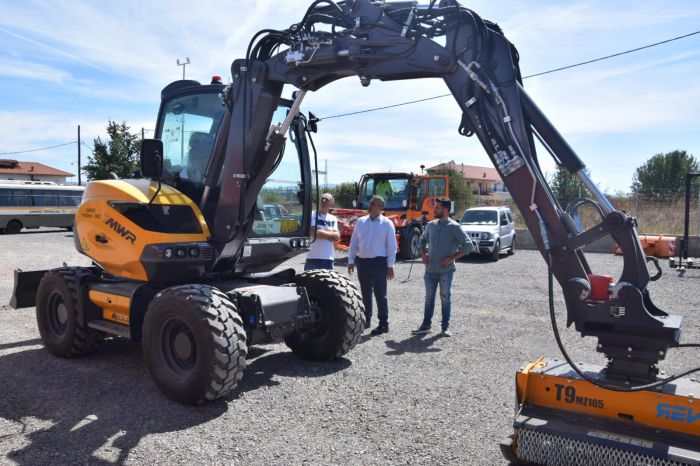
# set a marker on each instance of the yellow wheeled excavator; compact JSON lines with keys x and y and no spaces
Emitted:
{"x":175,"y":253}
{"x":188,"y":275}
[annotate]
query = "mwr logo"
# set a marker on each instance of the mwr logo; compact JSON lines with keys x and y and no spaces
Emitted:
{"x":676,"y":413}
{"x":568,"y":394}
{"x":116,"y":226}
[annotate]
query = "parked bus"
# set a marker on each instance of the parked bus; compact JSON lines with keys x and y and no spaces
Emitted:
{"x":34,"y":204}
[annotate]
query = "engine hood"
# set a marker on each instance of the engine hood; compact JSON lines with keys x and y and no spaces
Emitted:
{"x":474,"y":228}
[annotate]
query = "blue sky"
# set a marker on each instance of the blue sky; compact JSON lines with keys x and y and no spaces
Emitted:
{"x":74,"y":62}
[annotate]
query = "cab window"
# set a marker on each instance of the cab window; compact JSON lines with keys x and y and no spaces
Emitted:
{"x":436,"y":187}
{"x":279,"y":209}
{"x":188,"y":126}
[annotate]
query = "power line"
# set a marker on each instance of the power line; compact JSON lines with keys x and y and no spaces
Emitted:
{"x":524,"y":77}
{"x":613,"y":55}
{"x":37,"y":150}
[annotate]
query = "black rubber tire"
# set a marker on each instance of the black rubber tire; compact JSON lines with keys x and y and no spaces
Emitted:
{"x":205,"y":321}
{"x":342,"y":320}
{"x":13,"y":227}
{"x":511,"y":249}
{"x":496,"y":254}
{"x":409,"y":249}
{"x":60,"y":328}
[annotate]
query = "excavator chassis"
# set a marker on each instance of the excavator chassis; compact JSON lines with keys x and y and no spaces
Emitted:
{"x":565,"y":420}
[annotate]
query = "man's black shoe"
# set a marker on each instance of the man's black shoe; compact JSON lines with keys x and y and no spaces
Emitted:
{"x":380,"y":329}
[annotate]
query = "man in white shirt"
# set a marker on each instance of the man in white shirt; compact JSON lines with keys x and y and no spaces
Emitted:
{"x":373,"y":250}
{"x":325,"y":231}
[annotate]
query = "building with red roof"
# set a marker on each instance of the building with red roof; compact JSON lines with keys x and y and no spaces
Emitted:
{"x":484,"y":181}
{"x":31,"y":171}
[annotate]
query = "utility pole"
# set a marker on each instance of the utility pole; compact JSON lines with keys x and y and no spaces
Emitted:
{"x":183,"y":65}
{"x":79,"y":144}
{"x":320,"y":172}
{"x":143,"y":132}
{"x":325,"y":173}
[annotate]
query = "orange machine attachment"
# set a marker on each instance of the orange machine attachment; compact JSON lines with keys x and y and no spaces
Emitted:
{"x":563,"y":419}
{"x":117,"y":228}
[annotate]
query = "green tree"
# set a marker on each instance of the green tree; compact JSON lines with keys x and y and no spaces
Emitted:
{"x":662,"y":177}
{"x":118,"y":154}
{"x":343,"y":193}
{"x":567,"y":186}
{"x":460,"y":191}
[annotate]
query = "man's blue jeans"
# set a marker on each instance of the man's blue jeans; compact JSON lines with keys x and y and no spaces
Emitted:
{"x":314,"y":264}
{"x":432,"y":280}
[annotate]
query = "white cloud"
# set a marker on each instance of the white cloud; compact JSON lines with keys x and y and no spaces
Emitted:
{"x":28,"y":70}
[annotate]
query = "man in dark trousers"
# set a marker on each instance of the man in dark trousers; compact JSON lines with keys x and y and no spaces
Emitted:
{"x":446,"y":243}
{"x":373,"y":250}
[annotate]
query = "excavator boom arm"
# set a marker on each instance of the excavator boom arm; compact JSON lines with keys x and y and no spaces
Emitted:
{"x":397,"y":41}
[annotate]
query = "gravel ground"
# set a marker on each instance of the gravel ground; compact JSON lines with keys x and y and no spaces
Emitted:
{"x":394,"y":399}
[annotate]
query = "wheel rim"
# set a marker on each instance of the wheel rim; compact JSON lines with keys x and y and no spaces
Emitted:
{"x":414,"y":245}
{"x":177,"y":345}
{"x":321,"y":326}
{"x":57,"y":315}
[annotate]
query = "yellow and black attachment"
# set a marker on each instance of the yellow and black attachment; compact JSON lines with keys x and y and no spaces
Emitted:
{"x":565,"y":420}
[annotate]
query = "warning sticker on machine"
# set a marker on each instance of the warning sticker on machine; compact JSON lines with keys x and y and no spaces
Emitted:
{"x":266,"y":227}
{"x":621,"y":438}
{"x":247,"y":251}
{"x":288,"y":226}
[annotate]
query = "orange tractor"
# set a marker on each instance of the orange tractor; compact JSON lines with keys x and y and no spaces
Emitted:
{"x":409,"y":204}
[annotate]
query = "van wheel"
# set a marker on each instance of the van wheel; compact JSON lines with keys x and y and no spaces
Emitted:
{"x":13,"y":227}
{"x":496,"y":251}
{"x":511,"y":249}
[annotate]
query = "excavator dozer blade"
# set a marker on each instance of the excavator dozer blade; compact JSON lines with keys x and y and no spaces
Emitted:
{"x":26,"y":285}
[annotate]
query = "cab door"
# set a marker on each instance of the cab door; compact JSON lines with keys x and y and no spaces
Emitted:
{"x":431,"y":188}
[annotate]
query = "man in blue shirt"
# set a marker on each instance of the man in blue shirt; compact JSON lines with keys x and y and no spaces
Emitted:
{"x":373,"y":250}
{"x":446,"y":243}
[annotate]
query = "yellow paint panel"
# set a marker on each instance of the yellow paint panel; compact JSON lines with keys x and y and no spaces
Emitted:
{"x":117,"y":247}
{"x":114,"y":307}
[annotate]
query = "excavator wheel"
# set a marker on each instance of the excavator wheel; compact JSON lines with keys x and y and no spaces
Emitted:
{"x":57,"y":313}
{"x":194,"y":343}
{"x":341,"y":317}
{"x":409,"y":249}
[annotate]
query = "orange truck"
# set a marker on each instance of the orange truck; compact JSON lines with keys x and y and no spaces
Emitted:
{"x":409,"y":204}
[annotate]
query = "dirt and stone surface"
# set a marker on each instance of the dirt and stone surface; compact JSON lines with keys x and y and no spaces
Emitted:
{"x":395,"y":399}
